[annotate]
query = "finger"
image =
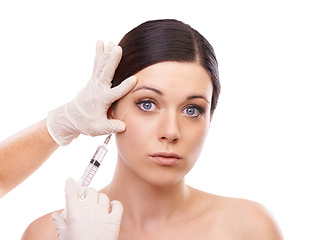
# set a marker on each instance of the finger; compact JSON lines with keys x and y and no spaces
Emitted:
{"x":71,"y":194}
{"x":57,"y":218}
{"x":111,"y":64}
{"x":124,"y":88}
{"x":99,"y":51}
{"x":59,"y":222}
{"x":117,"y":125}
{"x":117,"y":209}
{"x":109,"y":47}
{"x":111,"y":125}
{"x":104,"y":202}
{"x":99,"y":47}
{"x":103,"y":59}
{"x":91,"y":195}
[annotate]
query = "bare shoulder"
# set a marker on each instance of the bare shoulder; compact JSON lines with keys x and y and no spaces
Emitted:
{"x":42,"y":228}
{"x":236,"y":218}
{"x":251,"y":220}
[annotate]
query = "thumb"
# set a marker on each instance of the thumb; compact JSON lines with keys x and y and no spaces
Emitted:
{"x":71,"y":193}
{"x":117,"y":210}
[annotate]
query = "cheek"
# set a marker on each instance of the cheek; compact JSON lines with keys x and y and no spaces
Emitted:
{"x":135,"y":137}
{"x":195,"y":140}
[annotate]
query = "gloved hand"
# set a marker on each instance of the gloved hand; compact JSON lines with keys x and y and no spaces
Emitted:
{"x":87,"y":112}
{"x":90,"y":218}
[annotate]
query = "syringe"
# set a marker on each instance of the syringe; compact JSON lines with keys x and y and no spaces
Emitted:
{"x":91,"y":170}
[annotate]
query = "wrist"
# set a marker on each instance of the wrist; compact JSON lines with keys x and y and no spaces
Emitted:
{"x":60,"y":127}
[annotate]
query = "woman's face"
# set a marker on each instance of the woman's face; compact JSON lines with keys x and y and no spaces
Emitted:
{"x":167,"y":117}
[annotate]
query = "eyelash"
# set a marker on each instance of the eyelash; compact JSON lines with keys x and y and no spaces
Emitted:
{"x":200,"y":109}
{"x":142,"y":101}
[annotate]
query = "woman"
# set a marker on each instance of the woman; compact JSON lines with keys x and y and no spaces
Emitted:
{"x":167,"y":117}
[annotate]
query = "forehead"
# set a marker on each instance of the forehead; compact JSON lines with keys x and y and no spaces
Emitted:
{"x":179,"y":77}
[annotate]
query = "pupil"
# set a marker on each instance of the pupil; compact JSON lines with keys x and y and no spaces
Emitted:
{"x":147,"y":105}
{"x":190,"y":111}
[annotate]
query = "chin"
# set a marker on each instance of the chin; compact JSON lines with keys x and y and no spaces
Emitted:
{"x":164,"y":179}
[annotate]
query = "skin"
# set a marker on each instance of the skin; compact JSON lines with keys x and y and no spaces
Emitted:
{"x":24,"y":158}
{"x":24,"y":152}
{"x":169,"y":111}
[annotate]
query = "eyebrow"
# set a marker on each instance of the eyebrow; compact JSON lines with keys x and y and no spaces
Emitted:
{"x":197,"y":96}
{"x":148,"y":88}
{"x":161,"y":94}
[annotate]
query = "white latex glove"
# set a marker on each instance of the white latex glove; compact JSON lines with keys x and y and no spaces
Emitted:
{"x":87,"y":112}
{"x":89,"y":219}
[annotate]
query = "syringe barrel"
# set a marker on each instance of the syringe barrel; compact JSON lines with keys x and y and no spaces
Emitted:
{"x":100,"y":153}
{"x":92,"y":168}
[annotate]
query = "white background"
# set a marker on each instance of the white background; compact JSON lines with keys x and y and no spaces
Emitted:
{"x":257,"y":147}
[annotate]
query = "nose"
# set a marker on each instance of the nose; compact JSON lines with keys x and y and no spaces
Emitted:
{"x":169,"y":128}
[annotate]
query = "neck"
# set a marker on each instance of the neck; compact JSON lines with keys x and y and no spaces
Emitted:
{"x":146,"y":205}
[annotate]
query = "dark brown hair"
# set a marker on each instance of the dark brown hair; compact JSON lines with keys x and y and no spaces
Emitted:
{"x":166,"y":40}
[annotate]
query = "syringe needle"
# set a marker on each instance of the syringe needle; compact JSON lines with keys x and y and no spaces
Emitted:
{"x":107,"y":139}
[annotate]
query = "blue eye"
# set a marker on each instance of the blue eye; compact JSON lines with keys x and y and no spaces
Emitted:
{"x":146,"y":105}
{"x":190,"y":111}
{"x":193,"y":111}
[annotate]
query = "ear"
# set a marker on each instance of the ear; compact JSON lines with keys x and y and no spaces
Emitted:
{"x":111,"y":111}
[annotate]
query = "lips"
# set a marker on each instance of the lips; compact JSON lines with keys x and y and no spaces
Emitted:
{"x":166,"y":158}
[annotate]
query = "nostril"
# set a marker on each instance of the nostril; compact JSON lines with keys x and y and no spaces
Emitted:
{"x":168,"y":139}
